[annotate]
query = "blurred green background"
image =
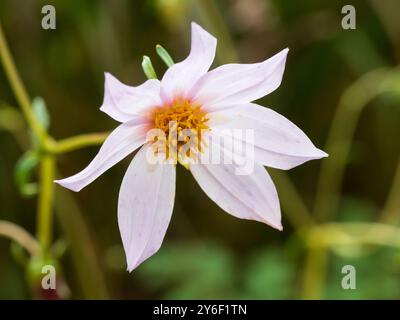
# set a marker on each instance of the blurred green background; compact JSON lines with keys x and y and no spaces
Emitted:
{"x":208,"y":253}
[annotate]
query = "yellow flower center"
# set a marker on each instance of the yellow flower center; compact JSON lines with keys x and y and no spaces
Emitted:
{"x":182,"y":122}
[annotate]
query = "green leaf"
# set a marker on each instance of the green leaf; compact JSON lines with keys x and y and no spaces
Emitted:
{"x":23,"y":173}
{"x":40,"y":110}
{"x":270,"y":274}
{"x":148,"y":68}
{"x":59,"y":248}
{"x":377,"y":276}
{"x":10,"y":118}
{"x":164,"y":55}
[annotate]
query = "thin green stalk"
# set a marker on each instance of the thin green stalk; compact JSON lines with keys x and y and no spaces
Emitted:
{"x":332,"y":235}
{"x":19,"y":235}
{"x":18,"y":88}
{"x":45,"y":203}
{"x":391,"y":210}
{"x":292,"y":203}
{"x":87,"y":266}
{"x":339,"y":142}
{"x":82,"y":249}
{"x":78,"y":142}
{"x":314,"y":273}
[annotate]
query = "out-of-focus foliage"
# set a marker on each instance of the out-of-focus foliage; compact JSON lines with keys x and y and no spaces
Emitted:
{"x":207,"y":253}
{"x":207,"y":271}
{"x":377,"y":273}
{"x":211,"y":271}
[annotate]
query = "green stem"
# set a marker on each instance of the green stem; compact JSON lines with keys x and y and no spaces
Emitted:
{"x":45,"y":203}
{"x":314,"y":273}
{"x":77,"y":142}
{"x":339,"y":142}
{"x":391,"y":210}
{"x":21,"y":236}
{"x":332,"y":235}
{"x":82,"y":249}
{"x":18,"y":88}
{"x":81,"y":245}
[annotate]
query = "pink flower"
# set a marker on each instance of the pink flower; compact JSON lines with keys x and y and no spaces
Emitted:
{"x":196,"y":99}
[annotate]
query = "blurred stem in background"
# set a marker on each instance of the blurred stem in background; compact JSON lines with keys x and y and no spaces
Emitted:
{"x":86,"y":264}
{"x":213,"y":21}
{"x":352,"y":103}
{"x":391,"y":211}
{"x":314,"y":272}
{"x":291,"y":201}
{"x":90,"y":273}
{"x":338,"y":146}
{"x":45,"y":203}
{"x":19,"y":89}
{"x":78,"y":142}
{"x":334,"y":235}
{"x":388,"y":12}
{"x":20,"y":236}
{"x":71,"y":219}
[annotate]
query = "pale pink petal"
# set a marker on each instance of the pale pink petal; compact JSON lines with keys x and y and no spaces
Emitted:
{"x":126,"y":138}
{"x":232,"y":84}
{"x":180,"y":77}
{"x":145,"y":205}
{"x":252,"y":196}
{"x":278,"y":143}
{"x":123,"y":102}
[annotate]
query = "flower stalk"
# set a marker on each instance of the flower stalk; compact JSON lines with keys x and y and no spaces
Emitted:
{"x":19,"y":88}
{"x":20,"y":236}
{"x":48,"y":148}
{"x":78,"y":142}
{"x":352,"y":103}
{"x":45,"y":203}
